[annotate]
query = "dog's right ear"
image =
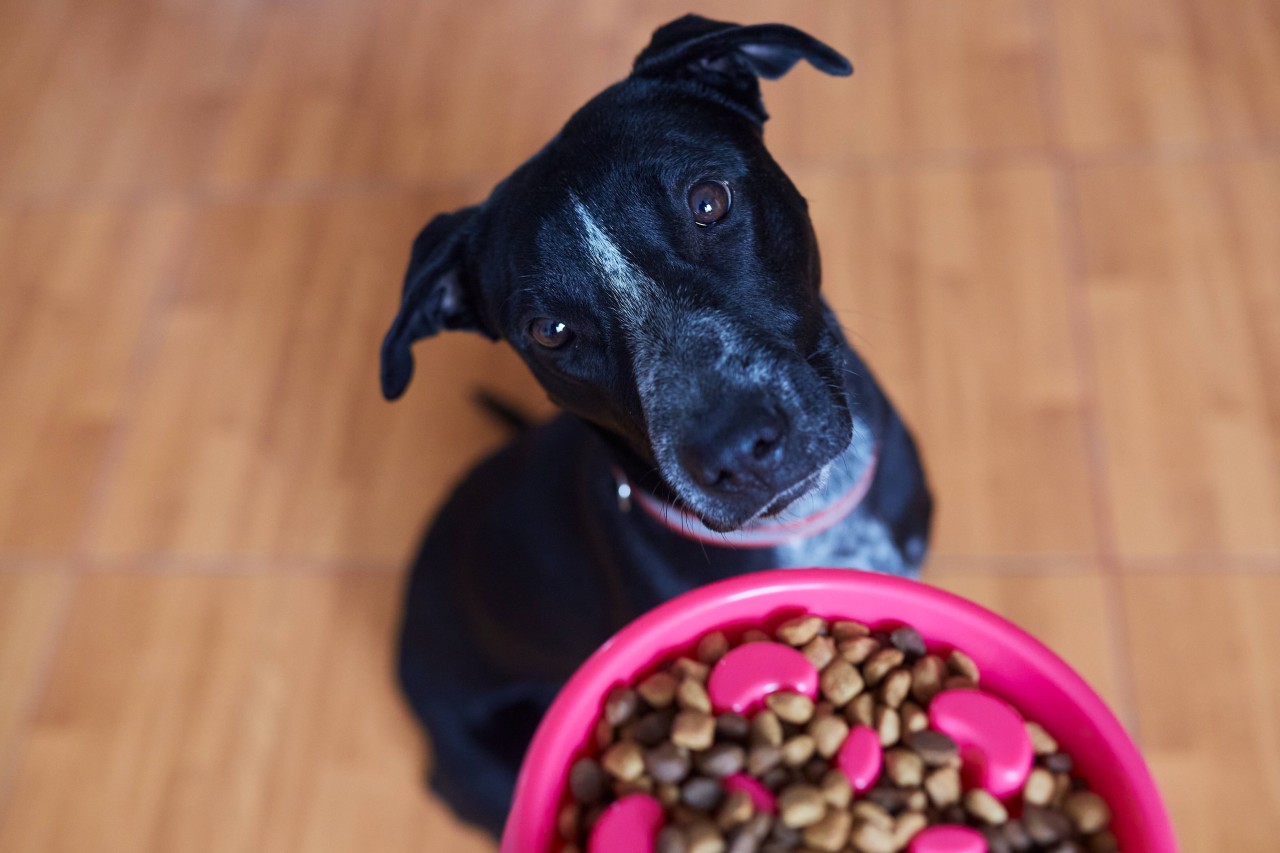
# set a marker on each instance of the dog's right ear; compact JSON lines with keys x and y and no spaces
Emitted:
{"x":439,"y":293}
{"x":729,"y":59}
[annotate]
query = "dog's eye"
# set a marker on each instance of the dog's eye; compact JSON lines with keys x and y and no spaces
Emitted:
{"x":549,"y":333}
{"x":709,"y":202}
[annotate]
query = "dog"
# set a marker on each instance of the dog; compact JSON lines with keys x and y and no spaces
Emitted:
{"x":659,"y":274}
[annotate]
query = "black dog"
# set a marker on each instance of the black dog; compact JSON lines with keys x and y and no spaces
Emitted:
{"x":659,"y":274}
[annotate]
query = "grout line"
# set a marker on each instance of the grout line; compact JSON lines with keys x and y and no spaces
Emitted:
{"x":478,"y":183}
{"x":10,"y":763}
{"x":146,"y":349}
{"x":1070,"y":215}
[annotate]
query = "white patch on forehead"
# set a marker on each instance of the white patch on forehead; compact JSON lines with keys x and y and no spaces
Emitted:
{"x":633,"y":291}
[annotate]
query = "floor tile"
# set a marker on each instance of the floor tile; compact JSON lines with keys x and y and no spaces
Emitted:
{"x":79,"y":286}
{"x":206,"y":712}
{"x":1157,"y":74}
{"x":1208,"y":692}
{"x":1186,"y":333}
{"x":949,"y":282}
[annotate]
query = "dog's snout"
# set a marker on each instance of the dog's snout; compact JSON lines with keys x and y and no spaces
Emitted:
{"x":736,"y":451}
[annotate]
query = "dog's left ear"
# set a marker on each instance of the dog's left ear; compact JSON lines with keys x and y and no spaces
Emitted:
{"x":438,"y":294}
{"x":730,"y":58}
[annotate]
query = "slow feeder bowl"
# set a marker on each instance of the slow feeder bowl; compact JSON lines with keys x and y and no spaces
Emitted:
{"x":1014,"y":666}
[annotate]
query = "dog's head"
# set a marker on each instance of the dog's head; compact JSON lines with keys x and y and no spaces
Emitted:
{"x":658,"y":272}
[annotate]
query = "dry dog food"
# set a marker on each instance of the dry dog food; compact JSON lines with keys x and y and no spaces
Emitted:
{"x":823,"y":736}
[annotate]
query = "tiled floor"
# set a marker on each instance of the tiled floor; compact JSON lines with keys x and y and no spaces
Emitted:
{"x":1051,"y":226}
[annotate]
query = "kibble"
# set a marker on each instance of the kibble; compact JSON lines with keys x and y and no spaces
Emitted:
{"x":661,"y":736}
{"x":840,"y":682}
{"x":801,"y":805}
{"x":831,"y":832}
{"x":790,"y":707}
{"x":800,"y":630}
{"x":659,"y":689}
{"x":693,"y":730}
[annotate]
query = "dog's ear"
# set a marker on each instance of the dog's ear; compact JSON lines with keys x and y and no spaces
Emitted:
{"x":730,"y":58}
{"x":438,"y":294}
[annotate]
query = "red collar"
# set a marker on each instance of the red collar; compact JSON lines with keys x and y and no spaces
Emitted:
{"x":760,"y":534}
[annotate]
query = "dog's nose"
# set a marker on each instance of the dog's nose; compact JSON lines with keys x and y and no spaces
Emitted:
{"x":737,"y":450}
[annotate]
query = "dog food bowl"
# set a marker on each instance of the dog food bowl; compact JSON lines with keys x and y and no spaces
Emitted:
{"x":1014,"y":666}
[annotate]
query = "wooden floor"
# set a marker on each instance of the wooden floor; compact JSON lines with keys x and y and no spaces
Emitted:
{"x":1052,"y":227}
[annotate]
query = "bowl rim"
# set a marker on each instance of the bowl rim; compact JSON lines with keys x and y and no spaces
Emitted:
{"x":657,"y":631}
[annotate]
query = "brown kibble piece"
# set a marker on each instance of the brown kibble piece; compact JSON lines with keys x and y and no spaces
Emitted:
{"x":703,"y":837}
{"x":914,"y":719}
{"x":934,"y":747}
{"x":862,"y":710}
{"x":733,"y":726}
{"x":831,"y":833}
{"x":908,"y":826}
{"x":586,"y":781}
{"x":888,"y":725}
{"x":927,"y":675}
{"x":791,"y":707}
{"x":736,"y":810}
{"x":959,"y":682}
{"x":755,"y":635}
{"x":642,"y":784}
{"x":982,"y":805}
{"x":847,"y":629}
{"x":688,"y":668}
{"x":904,"y":767}
{"x":670,"y":840}
{"x":1045,"y":826}
{"x":943,"y":786}
{"x":840,"y":682}
{"x":801,"y":805}
{"x":693,"y":730}
{"x":1087,"y":811}
{"x":962,"y":665}
{"x":800,"y":630}
{"x":797,"y":750}
{"x":820,"y":651}
{"x":763,"y":758}
{"x":908,"y":641}
{"x":668,"y":793}
{"x":659,"y":689}
{"x":1039,"y":788}
{"x":693,"y":696}
{"x":857,"y":649}
{"x":623,"y":760}
{"x":881,"y":664}
{"x":869,"y":838}
{"x":828,"y":733}
{"x":712,"y":647}
{"x":836,"y":788}
{"x":895,"y":687}
{"x":865,"y":810}
{"x":603,"y":733}
{"x":766,"y":728}
{"x":1041,"y":741}
{"x":620,"y":705}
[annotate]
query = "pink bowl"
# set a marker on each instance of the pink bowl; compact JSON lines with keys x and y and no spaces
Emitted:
{"x":1014,"y":665}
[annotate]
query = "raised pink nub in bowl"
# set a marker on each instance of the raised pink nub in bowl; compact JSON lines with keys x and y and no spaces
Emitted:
{"x":1014,"y":665}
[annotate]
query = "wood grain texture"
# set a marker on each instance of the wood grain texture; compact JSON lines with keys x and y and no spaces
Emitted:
{"x":260,"y":426}
{"x":1186,"y":333}
{"x":1187,"y":73}
{"x":78,"y":287}
{"x":225,"y":713}
{"x":1049,"y":225}
{"x":32,"y":604}
{"x":949,"y":282}
{"x":1204,"y":650}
